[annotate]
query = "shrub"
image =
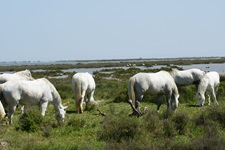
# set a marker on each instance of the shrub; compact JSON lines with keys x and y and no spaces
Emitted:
{"x":214,"y":113}
{"x":200,"y":118}
{"x":30,"y":121}
{"x":168,"y":127}
{"x":151,"y":126}
{"x":90,"y":106}
{"x":77,"y":124}
{"x":118,"y":128}
{"x":151,"y":121}
{"x":129,"y":145}
{"x":181,"y":120}
{"x":121,"y":97}
{"x":211,"y":139}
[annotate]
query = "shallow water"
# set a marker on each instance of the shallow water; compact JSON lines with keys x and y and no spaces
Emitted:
{"x":207,"y":67}
{"x":204,"y":67}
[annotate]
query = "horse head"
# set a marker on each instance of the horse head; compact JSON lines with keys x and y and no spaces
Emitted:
{"x":175,"y":102}
{"x":60,"y":115}
{"x":201,"y":99}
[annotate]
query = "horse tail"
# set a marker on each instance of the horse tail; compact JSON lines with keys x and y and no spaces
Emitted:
{"x":77,"y":88}
{"x":131,"y":92}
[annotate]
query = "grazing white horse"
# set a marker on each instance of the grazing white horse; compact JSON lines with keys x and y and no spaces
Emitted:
{"x":31,"y":93}
{"x":20,"y":75}
{"x":208,"y":86}
{"x":83,"y":86}
{"x":159,"y":83}
{"x":187,"y":77}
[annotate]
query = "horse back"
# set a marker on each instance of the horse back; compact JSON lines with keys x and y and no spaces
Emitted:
{"x":160,"y":82}
{"x":214,"y":77}
{"x":83,"y":80}
{"x":27,"y":91}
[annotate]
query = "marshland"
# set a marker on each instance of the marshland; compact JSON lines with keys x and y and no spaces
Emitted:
{"x":189,"y":127}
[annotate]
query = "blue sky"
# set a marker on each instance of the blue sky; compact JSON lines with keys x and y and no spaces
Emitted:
{"x":49,"y":30}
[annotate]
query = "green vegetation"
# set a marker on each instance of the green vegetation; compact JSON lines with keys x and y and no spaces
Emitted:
{"x":190,"y":127}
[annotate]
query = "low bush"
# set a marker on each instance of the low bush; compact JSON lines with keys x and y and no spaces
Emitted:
{"x":31,"y":121}
{"x":181,"y":121}
{"x":119,"y":128}
{"x":77,"y":124}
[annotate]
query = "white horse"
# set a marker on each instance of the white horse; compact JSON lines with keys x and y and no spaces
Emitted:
{"x":209,"y":84}
{"x":20,"y":75}
{"x":187,"y":77}
{"x":31,"y":93}
{"x":160,"y":83}
{"x":83,"y":86}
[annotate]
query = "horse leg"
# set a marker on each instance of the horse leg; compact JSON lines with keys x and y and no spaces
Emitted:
{"x":91,"y":97}
{"x":208,"y":97}
{"x":10,"y":113}
{"x":168,"y":99}
{"x":137,"y":102}
{"x":43,"y":107}
{"x":214,"y":96}
{"x":159,"y":102}
{"x":80,"y":102}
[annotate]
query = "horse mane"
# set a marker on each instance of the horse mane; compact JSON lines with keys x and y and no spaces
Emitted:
{"x":25,"y":74}
{"x":203,"y":85}
{"x":173,"y":71}
{"x":55,"y":93}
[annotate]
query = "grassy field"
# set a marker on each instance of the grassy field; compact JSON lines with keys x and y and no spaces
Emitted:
{"x":190,"y":127}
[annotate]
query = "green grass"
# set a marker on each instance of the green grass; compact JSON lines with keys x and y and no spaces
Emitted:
{"x":190,"y":127}
{"x":93,"y":131}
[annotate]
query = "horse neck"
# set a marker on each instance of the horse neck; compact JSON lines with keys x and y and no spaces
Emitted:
{"x":175,"y":91}
{"x":173,"y":72}
{"x":202,"y":86}
{"x":56,"y":97}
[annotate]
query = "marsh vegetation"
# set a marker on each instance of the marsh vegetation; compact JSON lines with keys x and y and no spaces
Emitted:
{"x":190,"y":127}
